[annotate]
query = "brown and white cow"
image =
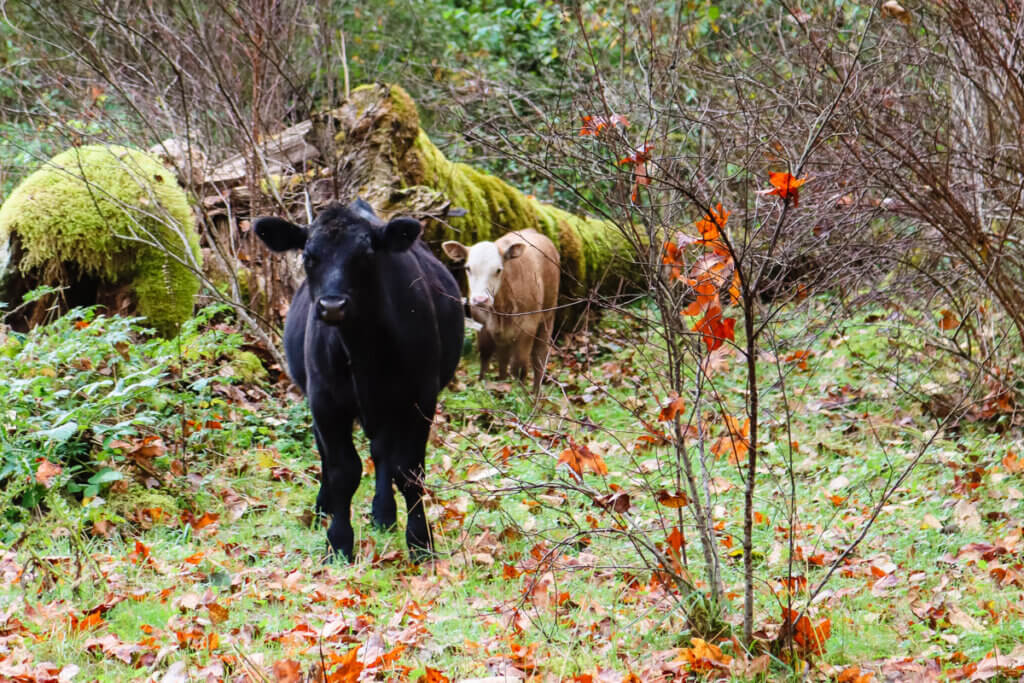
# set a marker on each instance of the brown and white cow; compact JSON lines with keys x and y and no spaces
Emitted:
{"x":513,"y":291}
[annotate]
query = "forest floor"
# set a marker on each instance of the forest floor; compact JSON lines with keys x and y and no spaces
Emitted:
{"x":177,"y":541}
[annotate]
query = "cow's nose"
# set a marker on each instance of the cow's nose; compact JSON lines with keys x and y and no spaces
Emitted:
{"x":480,"y":300}
{"x":331,"y":309}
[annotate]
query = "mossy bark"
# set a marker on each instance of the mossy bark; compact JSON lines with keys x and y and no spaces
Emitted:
{"x":110,"y":214}
{"x":382,"y":155}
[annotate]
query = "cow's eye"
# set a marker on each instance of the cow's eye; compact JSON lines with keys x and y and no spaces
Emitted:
{"x":468,"y":269}
{"x":498,"y":271}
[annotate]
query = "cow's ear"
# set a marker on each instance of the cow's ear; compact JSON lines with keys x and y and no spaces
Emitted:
{"x":399,"y":234}
{"x":514,"y":251}
{"x":455,"y":250}
{"x":279,"y":234}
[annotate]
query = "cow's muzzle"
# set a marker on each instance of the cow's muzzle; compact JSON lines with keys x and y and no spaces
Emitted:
{"x":481,"y":300}
{"x":332,"y":309}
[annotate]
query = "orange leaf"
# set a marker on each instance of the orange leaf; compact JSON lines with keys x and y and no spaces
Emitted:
{"x":703,"y":656}
{"x":81,"y":324}
{"x":734,"y":289}
{"x":809,"y":640}
{"x":91,"y":621}
{"x":1012,"y":463}
{"x":206,"y":520}
{"x":836,"y":500}
{"x":140,"y":553}
{"x":949,"y":321}
{"x":671,"y":409}
{"x":800,"y":357}
{"x":195,"y":558}
{"x":287,"y":671}
{"x":676,"y":540}
{"x":707,"y":298}
{"x":640,"y":156}
{"x":593,"y":125}
{"x":736,"y":442}
{"x":710,"y":225}
{"x":580,"y":459}
{"x":388,"y":658}
{"x":853,"y":675}
{"x":785,"y":186}
{"x":433,"y":676}
{"x":46,"y":472}
{"x":348,"y":669}
{"x":672,"y":500}
{"x":715,"y":329}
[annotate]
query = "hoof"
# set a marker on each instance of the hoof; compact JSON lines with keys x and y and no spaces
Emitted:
{"x":338,"y":556}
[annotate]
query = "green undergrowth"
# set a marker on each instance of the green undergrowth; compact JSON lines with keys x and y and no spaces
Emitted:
{"x":204,"y":549}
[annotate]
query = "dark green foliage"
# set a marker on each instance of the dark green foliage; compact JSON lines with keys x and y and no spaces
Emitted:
{"x":74,"y":387}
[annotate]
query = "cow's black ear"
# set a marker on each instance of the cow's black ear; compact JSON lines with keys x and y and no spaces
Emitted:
{"x":279,"y":234}
{"x":399,"y":234}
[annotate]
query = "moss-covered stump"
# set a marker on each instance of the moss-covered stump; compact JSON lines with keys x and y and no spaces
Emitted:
{"x":381,"y":154}
{"x":114,"y":215}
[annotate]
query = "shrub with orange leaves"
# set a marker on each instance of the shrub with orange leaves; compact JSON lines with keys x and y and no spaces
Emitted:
{"x":710,"y":274}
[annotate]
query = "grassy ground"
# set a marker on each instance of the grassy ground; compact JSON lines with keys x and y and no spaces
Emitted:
{"x":196,"y":556}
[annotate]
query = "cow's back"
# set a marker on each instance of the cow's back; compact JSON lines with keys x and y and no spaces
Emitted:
{"x":529,"y":283}
{"x":446,"y":302}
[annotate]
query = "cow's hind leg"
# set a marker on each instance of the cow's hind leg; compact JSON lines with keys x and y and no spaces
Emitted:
{"x":417,"y":530}
{"x":409,"y":479}
{"x":385,"y":512}
{"x":339,"y":481}
{"x":540,"y":350}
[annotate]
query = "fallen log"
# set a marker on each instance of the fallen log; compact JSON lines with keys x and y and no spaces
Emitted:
{"x":372,"y":146}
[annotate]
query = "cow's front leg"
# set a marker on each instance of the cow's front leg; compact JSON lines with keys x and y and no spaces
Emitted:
{"x":485,"y":344}
{"x":339,"y":481}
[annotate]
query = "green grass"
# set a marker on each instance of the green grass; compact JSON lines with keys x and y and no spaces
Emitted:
{"x":507,"y":518}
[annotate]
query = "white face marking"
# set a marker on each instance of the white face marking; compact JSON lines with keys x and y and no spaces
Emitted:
{"x":483,"y":269}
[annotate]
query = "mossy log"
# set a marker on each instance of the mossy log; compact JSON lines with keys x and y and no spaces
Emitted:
{"x":105,"y":218}
{"x":372,"y":146}
{"x":378,"y":143}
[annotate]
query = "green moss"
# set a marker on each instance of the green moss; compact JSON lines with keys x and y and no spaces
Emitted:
{"x":400,"y":170}
{"x":248,"y":367}
{"x":90,"y":206}
{"x":590,"y":248}
{"x":138,"y":497}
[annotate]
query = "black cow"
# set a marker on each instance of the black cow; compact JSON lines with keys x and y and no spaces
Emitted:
{"x":373,"y":335}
